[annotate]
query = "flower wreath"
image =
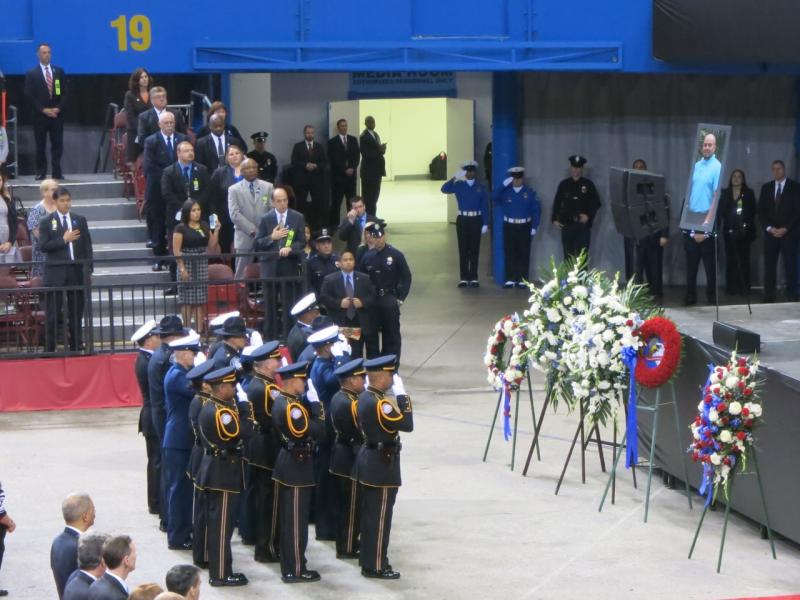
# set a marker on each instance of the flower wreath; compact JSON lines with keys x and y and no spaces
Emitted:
{"x":507,"y":328}
{"x":660,"y":352}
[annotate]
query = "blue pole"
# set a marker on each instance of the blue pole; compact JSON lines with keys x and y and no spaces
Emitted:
{"x":506,"y":94}
{"x":225,"y":92}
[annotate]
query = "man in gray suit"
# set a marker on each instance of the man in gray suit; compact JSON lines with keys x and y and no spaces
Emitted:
{"x":248,"y":202}
{"x":281,"y":234}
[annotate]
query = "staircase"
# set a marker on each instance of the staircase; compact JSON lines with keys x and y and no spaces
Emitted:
{"x":119,"y":235}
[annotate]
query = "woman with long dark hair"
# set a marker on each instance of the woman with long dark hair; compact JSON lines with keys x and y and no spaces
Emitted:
{"x":9,"y":252}
{"x":737,"y":214}
{"x":190,"y":242}
{"x":136,"y":101}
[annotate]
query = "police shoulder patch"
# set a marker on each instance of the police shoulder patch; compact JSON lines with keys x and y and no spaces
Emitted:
{"x":387,"y":408}
{"x":296,"y":413}
{"x":226,"y":418}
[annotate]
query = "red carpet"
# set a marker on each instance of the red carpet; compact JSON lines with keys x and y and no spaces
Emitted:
{"x":103,"y":381}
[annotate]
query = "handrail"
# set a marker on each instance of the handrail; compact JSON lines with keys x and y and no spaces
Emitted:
{"x":13,"y":146}
{"x":108,"y":123}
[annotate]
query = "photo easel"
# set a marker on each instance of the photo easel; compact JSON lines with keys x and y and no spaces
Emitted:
{"x":655,"y":409}
{"x":731,"y":481}
{"x":516,"y":419}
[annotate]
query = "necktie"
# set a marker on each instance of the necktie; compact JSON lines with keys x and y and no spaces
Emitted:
{"x":778,"y":191}
{"x":48,"y":78}
{"x":280,"y":220}
{"x":309,"y":148}
{"x":344,"y":141}
{"x":253,"y":189}
{"x":220,"y":148}
{"x":65,"y":225}
{"x":186,"y":174}
{"x":170,"y":148}
{"x":348,"y":289}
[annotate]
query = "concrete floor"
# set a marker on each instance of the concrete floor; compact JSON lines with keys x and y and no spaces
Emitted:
{"x":462,"y":528}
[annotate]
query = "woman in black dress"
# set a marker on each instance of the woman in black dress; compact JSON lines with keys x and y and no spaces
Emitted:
{"x":221,"y":179}
{"x":190,"y":242}
{"x":737,"y":214}
{"x":137,"y":100}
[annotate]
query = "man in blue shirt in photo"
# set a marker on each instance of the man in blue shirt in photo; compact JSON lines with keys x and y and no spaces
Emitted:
{"x":704,"y":189}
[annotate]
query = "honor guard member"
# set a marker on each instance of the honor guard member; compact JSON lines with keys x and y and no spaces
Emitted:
{"x":574,"y":208}
{"x":388,"y":270}
{"x":328,"y":350}
{"x":202,"y":392}
{"x":348,"y":440}
{"x":178,"y":442}
{"x":263,"y":449}
{"x":214,"y":325}
{"x":322,"y":262}
{"x":148,"y":341}
{"x":234,"y":339}
{"x":378,"y":463}
{"x":221,"y":473}
{"x":521,"y":215}
{"x":170,"y":328}
{"x":472,"y":221}
{"x":305,"y":311}
{"x":299,"y":420}
{"x":267,"y":163}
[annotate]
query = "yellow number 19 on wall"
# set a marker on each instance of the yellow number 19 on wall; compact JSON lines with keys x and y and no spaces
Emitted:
{"x":137,"y":27}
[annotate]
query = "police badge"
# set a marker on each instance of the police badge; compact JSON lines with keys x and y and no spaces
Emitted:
{"x":389,"y":261}
{"x":583,"y":189}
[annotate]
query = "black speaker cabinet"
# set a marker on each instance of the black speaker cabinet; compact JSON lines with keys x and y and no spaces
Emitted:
{"x":730,"y":336}
{"x":638,"y":203}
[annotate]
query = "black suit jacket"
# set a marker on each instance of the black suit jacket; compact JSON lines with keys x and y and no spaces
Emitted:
{"x":156,"y":154}
{"x":78,"y":586}
{"x":342,"y":158}
{"x":333,"y":291}
{"x":272,"y":265}
{"x":145,"y":416}
{"x":373,"y":163}
{"x":107,"y":588}
{"x":64,"y":557}
{"x":787,"y":213}
{"x":147,"y":124}
{"x":175,"y":190}
{"x":352,"y":232}
{"x":57,"y":271}
{"x":230,"y":130}
{"x":205,"y":152}
{"x":301,"y":156}
{"x":36,"y":90}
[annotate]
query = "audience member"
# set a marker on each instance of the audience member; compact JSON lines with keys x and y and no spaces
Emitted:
{"x":308,"y":178}
{"x":247,"y":202}
{"x":35,"y":215}
{"x":185,"y":581}
{"x":46,"y":90}
{"x":322,"y":262}
{"x":148,"y":120}
{"x":135,"y":102}
{"x":737,"y":210}
{"x":7,"y":525}
{"x":281,"y":233}
{"x":305,"y":311}
{"x":218,"y":108}
{"x":373,"y":165}
{"x":221,"y":180}
{"x":90,"y":566}
{"x":119,"y":555}
{"x":190,"y":243}
{"x":147,"y":591}
{"x":344,"y":157}
{"x":9,"y":251}
{"x":79,"y":513}
{"x":267,"y":163}
{"x":212,"y":148}
{"x":351,"y":229}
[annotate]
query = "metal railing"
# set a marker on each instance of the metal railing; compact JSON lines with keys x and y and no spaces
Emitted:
{"x":97,"y":317}
{"x":12,"y":131}
{"x":108,"y":125}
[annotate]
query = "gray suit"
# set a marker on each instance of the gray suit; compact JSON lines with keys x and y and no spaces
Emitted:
{"x":246,"y":212}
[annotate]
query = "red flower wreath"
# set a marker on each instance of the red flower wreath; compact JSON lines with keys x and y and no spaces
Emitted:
{"x":660,"y":353}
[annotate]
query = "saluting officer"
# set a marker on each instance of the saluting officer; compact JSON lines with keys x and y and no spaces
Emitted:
{"x":202,"y":392}
{"x":322,"y":262}
{"x":305,"y":311}
{"x":389,"y":272}
{"x":267,"y":163}
{"x":472,"y":221}
{"x":148,"y":341}
{"x":348,"y":440}
{"x":263,"y":449}
{"x":221,"y":430}
{"x":574,"y":207}
{"x":521,"y":215}
{"x":378,"y":463}
{"x":300,"y":420}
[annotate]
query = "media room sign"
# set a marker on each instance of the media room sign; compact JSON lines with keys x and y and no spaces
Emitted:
{"x":384,"y":84}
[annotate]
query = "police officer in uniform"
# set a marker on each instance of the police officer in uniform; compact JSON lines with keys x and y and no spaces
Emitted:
{"x":234,"y":339}
{"x":299,"y":419}
{"x":267,"y":163}
{"x":220,"y":475}
{"x":388,"y":270}
{"x":521,"y":215}
{"x":348,"y":440}
{"x":472,"y":221}
{"x":574,"y":208}
{"x":305,"y":311}
{"x":378,"y":462}
{"x":263,"y":449}
{"x":322,"y":262}
{"x":147,"y":340}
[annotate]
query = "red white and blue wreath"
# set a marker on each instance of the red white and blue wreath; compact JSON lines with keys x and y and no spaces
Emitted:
{"x":506,"y":375}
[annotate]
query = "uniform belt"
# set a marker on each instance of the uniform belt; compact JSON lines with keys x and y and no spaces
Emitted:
{"x":516,"y":221}
{"x":382,"y":292}
{"x":396,"y":446}
{"x":469,"y":213}
{"x":297,"y":445}
{"x":225,"y":452}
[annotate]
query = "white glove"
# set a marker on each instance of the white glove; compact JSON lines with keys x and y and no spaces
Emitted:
{"x":284,"y":361}
{"x":311,"y":394}
{"x":507,"y":181}
{"x":366,"y":381}
{"x":533,"y":231}
{"x":460,"y":174}
{"x":199,"y":359}
{"x":241,"y":395}
{"x":484,"y":230}
{"x":340,"y":348}
{"x":398,"y":389}
{"x":256,"y":339}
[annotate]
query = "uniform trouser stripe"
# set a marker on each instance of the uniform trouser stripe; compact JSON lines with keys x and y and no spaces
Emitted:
{"x":351,"y":522}
{"x":381,"y":521}
{"x":274,"y":527}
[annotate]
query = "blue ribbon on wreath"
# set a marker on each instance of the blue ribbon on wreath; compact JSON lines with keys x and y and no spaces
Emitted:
{"x":707,"y":484}
{"x":629,"y":355}
{"x":506,"y":409}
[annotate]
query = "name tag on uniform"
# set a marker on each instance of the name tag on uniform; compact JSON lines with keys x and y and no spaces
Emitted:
{"x":196,"y":185}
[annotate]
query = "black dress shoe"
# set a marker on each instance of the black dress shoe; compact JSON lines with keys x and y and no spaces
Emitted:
{"x":265,"y":557}
{"x":304,"y":577}
{"x":347,"y":555}
{"x":229,"y":581}
{"x":162,"y":526}
{"x":153,"y":511}
{"x":149,"y":244}
{"x":382,"y":574}
{"x":474,"y":283}
{"x":39,"y":177}
{"x":183,"y":546}
{"x":157,"y":266}
{"x":3,"y":592}
{"x":462,"y":283}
